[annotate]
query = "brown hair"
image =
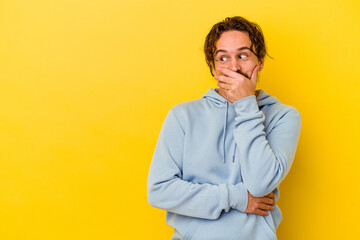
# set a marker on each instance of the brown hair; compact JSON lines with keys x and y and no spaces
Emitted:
{"x":234,"y":23}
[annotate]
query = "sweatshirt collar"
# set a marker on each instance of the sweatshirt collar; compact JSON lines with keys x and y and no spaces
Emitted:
{"x":263,"y":98}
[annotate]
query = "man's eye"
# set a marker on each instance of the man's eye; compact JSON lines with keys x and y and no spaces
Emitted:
{"x":242,"y":56}
{"x":223,"y":59}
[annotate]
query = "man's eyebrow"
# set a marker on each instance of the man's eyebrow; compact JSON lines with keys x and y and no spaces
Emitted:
{"x":239,"y":49}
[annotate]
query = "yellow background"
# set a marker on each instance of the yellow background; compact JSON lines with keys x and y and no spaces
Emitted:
{"x":86,"y":84}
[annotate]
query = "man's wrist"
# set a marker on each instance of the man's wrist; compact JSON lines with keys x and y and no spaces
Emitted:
{"x":238,"y":196}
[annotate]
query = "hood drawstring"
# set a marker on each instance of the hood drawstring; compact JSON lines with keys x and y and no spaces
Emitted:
{"x":225,"y":123}
{"x":234,"y":153}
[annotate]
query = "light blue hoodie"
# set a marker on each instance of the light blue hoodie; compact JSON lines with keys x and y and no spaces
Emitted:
{"x":210,"y":152}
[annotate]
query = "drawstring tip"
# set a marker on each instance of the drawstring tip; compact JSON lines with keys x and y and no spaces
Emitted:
{"x":233,"y":158}
{"x":223,"y":160}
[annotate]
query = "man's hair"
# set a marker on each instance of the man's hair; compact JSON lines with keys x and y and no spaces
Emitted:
{"x":234,"y":23}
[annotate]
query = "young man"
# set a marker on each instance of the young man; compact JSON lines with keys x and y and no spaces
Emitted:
{"x":219,"y":159}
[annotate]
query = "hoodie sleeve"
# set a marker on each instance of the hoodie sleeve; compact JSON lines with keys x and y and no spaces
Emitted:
{"x":265,"y":160}
{"x":167,"y":190}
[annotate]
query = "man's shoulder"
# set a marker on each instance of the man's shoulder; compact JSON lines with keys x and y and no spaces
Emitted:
{"x":272,"y":105}
{"x":280,"y":112}
{"x":286,"y":109}
{"x":186,"y":110}
{"x":185,"y":107}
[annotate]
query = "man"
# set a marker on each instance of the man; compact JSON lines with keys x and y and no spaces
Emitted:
{"x":219,"y":159}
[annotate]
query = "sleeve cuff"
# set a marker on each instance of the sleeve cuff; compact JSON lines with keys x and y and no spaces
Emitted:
{"x":246,"y":105}
{"x":238,"y":197}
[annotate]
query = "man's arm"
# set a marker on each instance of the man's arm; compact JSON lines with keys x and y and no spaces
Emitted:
{"x":265,"y":160}
{"x":167,"y":190}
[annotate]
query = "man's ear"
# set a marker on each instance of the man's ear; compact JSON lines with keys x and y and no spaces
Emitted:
{"x":261,"y":64}
{"x":212,"y":68}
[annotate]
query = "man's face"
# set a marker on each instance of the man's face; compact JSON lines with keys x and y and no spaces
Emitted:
{"x":233,"y":52}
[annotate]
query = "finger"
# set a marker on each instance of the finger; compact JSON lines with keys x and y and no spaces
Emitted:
{"x":229,"y":72}
{"x":224,"y":79}
{"x":254,"y":74}
{"x":268,"y":201}
{"x":270,"y":195}
{"x":266,"y":207}
{"x":261,"y":212}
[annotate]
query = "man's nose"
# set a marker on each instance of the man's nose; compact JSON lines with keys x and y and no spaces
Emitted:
{"x":234,"y":65}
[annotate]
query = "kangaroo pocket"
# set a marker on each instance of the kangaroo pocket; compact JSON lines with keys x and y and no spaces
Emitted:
{"x":268,"y":230}
{"x":184,"y":226}
{"x":233,"y":225}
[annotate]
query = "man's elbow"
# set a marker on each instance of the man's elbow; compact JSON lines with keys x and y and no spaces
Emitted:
{"x":258,"y":191}
{"x":158,"y":196}
{"x":151,"y":199}
{"x":153,"y":195}
{"x":262,"y":184}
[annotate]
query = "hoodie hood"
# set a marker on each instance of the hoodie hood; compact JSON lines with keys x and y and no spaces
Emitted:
{"x":263,"y":98}
{"x":213,"y":96}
